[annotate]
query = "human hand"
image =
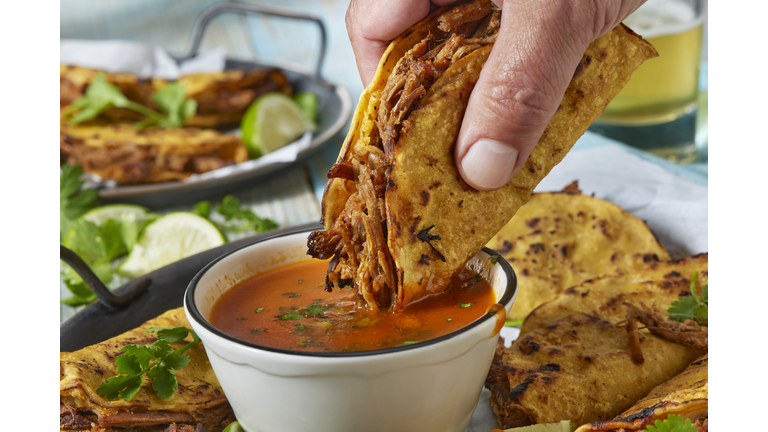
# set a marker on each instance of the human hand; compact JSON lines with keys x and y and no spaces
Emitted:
{"x":538,"y":47}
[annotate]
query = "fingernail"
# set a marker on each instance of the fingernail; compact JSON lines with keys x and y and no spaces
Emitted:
{"x":489,"y":164}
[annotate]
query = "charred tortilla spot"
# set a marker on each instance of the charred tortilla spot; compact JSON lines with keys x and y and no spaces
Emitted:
{"x":532,"y":222}
{"x":528,"y":346}
{"x":650,"y":258}
{"x":390,"y":183}
{"x":461,"y":202}
{"x":672,"y":274}
{"x":435,"y":184}
{"x":425,"y":236}
{"x":532,"y":169}
{"x":518,"y":390}
{"x":584,"y":294}
{"x":535,"y":248}
{"x":564,"y":251}
{"x":550,"y":367}
{"x":424,"y":198}
{"x":506,"y":247}
{"x":525,"y":272}
{"x":423,"y":260}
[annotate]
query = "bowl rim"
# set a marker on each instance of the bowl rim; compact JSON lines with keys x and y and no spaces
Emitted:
{"x":191,"y":307}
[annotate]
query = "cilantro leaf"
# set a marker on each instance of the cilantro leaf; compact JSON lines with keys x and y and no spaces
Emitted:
{"x":464,"y":305}
{"x":137,"y":360}
{"x":290,"y":316}
{"x":673,"y":423}
{"x":202,"y":209}
{"x":693,"y":307}
{"x":99,"y":96}
{"x":81,"y":294}
{"x":242,"y":219}
{"x":172,"y":100}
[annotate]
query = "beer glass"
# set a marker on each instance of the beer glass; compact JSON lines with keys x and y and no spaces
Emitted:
{"x":656,"y":110}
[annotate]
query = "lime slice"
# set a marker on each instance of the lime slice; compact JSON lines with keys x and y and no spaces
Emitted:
{"x":169,"y":239}
{"x":233,"y":427}
{"x":271,"y":122}
{"x":101,"y":214}
{"x":308,"y":103}
{"x":563,"y":426}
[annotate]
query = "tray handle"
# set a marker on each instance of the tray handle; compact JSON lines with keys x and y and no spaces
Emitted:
{"x":136,"y":288}
{"x":208,"y":14}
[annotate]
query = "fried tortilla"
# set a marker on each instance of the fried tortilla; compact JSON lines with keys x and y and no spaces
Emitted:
{"x":573,"y":359}
{"x":562,"y":239}
{"x":198,"y":399}
{"x":221,"y":97}
{"x":685,"y":395}
{"x":126,"y":155}
{"x":399,"y":220}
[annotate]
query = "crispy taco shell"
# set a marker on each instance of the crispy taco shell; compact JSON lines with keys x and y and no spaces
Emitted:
{"x":685,"y":395}
{"x":400,"y":221}
{"x":573,"y":359}
{"x":558,"y":240}
{"x":126,"y":155}
{"x":198,"y":399}
{"x":222,"y":97}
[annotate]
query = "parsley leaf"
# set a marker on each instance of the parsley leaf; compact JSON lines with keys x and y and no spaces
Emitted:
{"x":694,"y":307}
{"x":158,"y":361}
{"x":73,"y":204}
{"x":464,"y":305}
{"x":202,"y":209}
{"x":673,"y":423}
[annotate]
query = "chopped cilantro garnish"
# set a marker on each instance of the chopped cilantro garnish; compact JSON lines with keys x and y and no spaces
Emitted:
{"x":258,"y":330}
{"x":259,"y":310}
{"x":464,"y":305}
{"x":301,"y":280}
{"x":299,"y":329}
{"x":290,"y":316}
{"x":475,"y":277}
{"x":493,"y":259}
{"x":239,"y":319}
{"x":291,"y":295}
{"x":449,"y":319}
{"x":406,"y":343}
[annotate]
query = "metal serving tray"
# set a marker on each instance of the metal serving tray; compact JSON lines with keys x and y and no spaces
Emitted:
{"x":335,"y":108}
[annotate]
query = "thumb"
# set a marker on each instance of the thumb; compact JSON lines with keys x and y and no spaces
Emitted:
{"x":520,"y":87}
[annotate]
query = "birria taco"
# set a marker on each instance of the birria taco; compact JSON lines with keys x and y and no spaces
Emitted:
{"x":399,"y":220}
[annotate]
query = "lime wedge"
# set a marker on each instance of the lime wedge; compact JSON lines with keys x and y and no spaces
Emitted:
{"x":101,"y":214}
{"x":233,"y":427}
{"x":169,"y":239}
{"x":563,"y":426}
{"x":308,"y":103}
{"x":271,"y":122}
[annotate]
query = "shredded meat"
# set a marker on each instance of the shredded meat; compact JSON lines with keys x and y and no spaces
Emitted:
{"x":206,"y":420}
{"x":634,"y":336}
{"x":464,"y":13}
{"x":356,"y":243}
{"x":702,"y":425}
{"x":69,"y":418}
{"x":687,"y":333}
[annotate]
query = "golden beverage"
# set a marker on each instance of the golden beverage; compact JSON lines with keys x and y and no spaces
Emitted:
{"x":664,"y":88}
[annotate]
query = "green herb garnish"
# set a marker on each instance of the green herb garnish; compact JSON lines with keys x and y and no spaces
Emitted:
{"x":299,"y":329}
{"x":493,"y":259}
{"x":101,"y":95}
{"x":694,"y":307}
{"x":290,"y":316}
{"x":259,"y":310}
{"x":158,"y":361}
{"x":239,"y":319}
{"x":513,"y":323}
{"x":291,"y":295}
{"x":449,"y":319}
{"x":258,"y":330}
{"x":241,"y":219}
{"x":406,"y":343}
{"x":464,"y":305}
{"x":73,"y":203}
{"x":673,"y":423}
{"x":301,"y":280}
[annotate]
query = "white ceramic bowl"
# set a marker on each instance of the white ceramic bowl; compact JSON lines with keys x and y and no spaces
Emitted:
{"x":430,"y":386}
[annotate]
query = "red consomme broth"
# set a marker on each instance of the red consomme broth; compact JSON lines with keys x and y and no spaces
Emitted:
{"x":288,"y":308}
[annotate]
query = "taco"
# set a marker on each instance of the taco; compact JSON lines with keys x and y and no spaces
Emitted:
{"x":197,"y":404}
{"x":685,"y":395}
{"x":399,"y":220}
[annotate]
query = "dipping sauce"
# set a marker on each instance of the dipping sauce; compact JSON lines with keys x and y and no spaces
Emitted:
{"x":288,"y":308}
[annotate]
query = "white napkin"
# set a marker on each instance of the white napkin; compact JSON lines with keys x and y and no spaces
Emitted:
{"x":132,"y":57}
